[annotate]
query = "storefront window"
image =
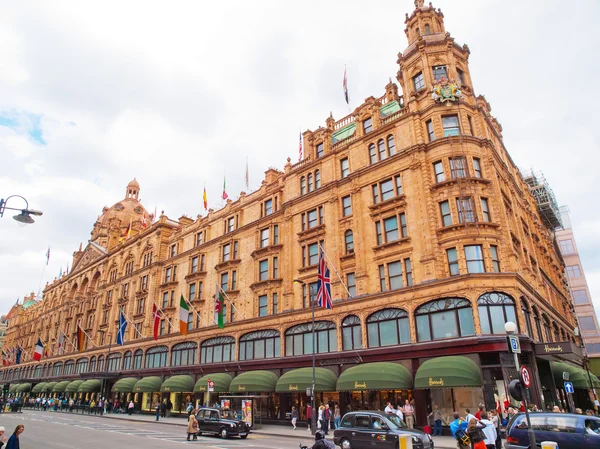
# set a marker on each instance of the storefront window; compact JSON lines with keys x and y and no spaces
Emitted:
{"x":388,"y":327}
{"x":156,"y":357}
{"x":450,"y":399}
{"x":114,"y":362}
{"x":260,"y":345}
{"x":495,"y":310}
{"x":216,"y":350}
{"x":127,"y":360}
{"x":137,"y":359}
{"x":444,"y":318}
{"x":351,"y":333}
{"x":298,"y":339}
{"x":184,"y":354}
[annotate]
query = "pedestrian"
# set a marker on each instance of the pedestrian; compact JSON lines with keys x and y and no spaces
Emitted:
{"x":320,"y":417}
{"x":130,"y":408}
{"x":13,"y":441}
{"x":294,"y":417}
{"x":309,"y":414}
{"x":458,"y":428}
{"x":556,"y":409}
{"x":189,"y":409}
{"x":400,"y":413}
{"x":389,"y":408}
{"x":468,"y":415}
{"x":169,"y":407}
{"x":2,"y":437}
{"x":475,"y":432}
{"x":157,"y":407}
{"x":409,"y":414}
{"x":489,"y":430}
{"x":163,"y":409}
{"x":192,"y":428}
{"x":436,"y":415}
{"x":481,"y":408}
{"x":326,"y":419}
{"x":337,"y":416}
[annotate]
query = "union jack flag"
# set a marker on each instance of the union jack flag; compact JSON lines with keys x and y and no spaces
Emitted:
{"x":324,"y":284}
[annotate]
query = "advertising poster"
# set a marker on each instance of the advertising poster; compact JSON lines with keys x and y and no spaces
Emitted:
{"x":247,"y":411}
{"x":225,"y":404}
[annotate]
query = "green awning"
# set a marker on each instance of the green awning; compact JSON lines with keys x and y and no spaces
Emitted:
{"x":150,"y":384}
{"x":389,"y":108}
{"x":124,"y":385}
{"x":595,"y":366}
{"x":60,"y":386}
{"x":577,"y":376}
{"x":595,"y":381}
{"x":221,"y":381}
{"x":448,"y":372}
{"x":73,"y":386}
{"x":375,"y":376}
{"x":300,"y":379}
{"x":49,"y":387}
{"x":39,"y":387}
{"x":178,"y":384}
{"x":255,"y":382}
{"x":24,"y":388}
{"x":343,"y":133}
{"x":13,"y":388}
{"x":90,"y":386}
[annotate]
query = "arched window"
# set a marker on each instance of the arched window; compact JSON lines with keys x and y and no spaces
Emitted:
{"x":427,"y":29}
{"x":156,"y":357}
{"x":372,"y":153}
{"x":100,"y":363}
{"x":184,"y":354}
{"x":93,"y":364}
{"x":81,"y":366}
{"x":546,"y":324}
{"x":538,"y":325}
{"x":114,"y":362}
{"x":495,"y":309}
{"x":37,"y":374}
{"x":317,"y":179}
{"x":556,"y":332}
{"x":137,"y":359}
{"x":69,"y":368}
{"x":391,"y":145}
{"x":310,"y":182}
{"x":388,"y":327}
{"x":381,"y":149}
{"x":444,"y":318}
{"x":127,"y":361}
{"x":302,"y":185}
{"x":351,"y":333}
{"x":56,"y":370}
{"x":349,"y":241}
{"x":526,"y":317}
{"x":216,"y":350}
{"x":298,"y":339}
{"x":265,"y":344}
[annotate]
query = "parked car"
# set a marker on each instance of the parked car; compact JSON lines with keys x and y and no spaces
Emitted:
{"x":368,"y":429}
{"x":221,"y":422}
{"x":570,"y":431}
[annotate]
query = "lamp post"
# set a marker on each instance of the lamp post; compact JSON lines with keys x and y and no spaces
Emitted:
{"x":25,"y":215}
{"x":105,"y":365}
{"x":511,"y":329}
{"x":313,"y":401}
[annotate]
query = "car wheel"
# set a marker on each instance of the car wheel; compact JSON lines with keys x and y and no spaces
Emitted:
{"x":224,"y":433}
{"x":243,"y":437}
{"x":345,"y":444}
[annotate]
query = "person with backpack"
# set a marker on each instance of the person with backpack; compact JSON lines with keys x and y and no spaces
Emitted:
{"x":475,"y":432}
{"x":458,"y":428}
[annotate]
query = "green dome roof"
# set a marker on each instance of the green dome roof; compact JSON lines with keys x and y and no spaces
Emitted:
{"x":29,"y":303}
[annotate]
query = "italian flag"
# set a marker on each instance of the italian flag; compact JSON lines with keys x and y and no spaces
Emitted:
{"x":219,"y":302}
{"x":184,"y":314}
{"x":39,"y":350}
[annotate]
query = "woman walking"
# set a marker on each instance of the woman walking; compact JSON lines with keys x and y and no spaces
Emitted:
{"x":337,"y":416}
{"x":476,"y":434}
{"x":294,"y":417}
{"x":13,"y":441}
{"x":192,"y":428}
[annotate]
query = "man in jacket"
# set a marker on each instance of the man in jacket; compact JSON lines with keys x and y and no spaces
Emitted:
{"x":489,"y":431}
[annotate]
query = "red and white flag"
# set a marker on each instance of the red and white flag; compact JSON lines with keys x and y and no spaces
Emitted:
{"x":61,"y":343}
{"x":156,"y":318}
{"x":345,"y":86}
{"x":39,"y":350}
{"x":300,"y":148}
{"x":224,"y":196}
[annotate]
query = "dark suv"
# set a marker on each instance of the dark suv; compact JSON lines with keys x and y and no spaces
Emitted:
{"x":362,"y":430}
{"x":221,"y":422}
{"x":568,"y":430}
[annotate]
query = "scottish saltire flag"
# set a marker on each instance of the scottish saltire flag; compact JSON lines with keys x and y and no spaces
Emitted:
{"x":324,"y":283}
{"x":18,"y":356}
{"x":122,"y":328}
{"x":345,"y":85}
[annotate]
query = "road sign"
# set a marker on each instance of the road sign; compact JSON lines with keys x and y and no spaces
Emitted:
{"x":525,"y":376}
{"x":565,"y":375}
{"x":514,"y":345}
{"x":569,"y":387}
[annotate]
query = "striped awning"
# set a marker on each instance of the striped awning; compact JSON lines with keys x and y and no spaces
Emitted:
{"x":178,"y":384}
{"x":124,"y":385}
{"x":150,"y":384}
{"x":60,"y":386}
{"x":90,"y":386}
{"x":73,"y":386}
{"x":39,"y":388}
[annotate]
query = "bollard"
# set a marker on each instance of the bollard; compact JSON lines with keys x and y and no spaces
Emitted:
{"x":405,"y":441}
{"x":549,"y":445}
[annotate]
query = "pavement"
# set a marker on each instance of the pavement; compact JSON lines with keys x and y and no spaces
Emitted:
{"x":440,"y":442}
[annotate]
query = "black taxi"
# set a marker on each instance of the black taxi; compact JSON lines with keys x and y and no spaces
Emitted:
{"x":221,"y":422}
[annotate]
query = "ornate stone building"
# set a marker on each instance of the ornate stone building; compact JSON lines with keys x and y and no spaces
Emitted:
{"x":431,"y":233}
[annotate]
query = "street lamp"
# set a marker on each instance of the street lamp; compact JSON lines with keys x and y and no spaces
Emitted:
{"x":102,"y":331}
{"x":313,"y":402}
{"x":25,"y":215}
{"x":511,"y":329}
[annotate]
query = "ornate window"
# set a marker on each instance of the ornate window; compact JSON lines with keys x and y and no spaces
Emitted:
{"x":349,"y":242}
{"x":93,"y":364}
{"x":263,"y":344}
{"x":184,"y":354}
{"x":444,"y":318}
{"x":298,"y":339}
{"x":156,"y":357}
{"x":69,"y":368}
{"x":114,"y":362}
{"x":526,"y":317}
{"x":37,"y":373}
{"x":216,"y":350}
{"x":538,"y":324}
{"x":351,"y":333}
{"x":57,"y":369}
{"x":388,"y":327}
{"x":546,"y":324}
{"x":127,"y":361}
{"x":100,"y":363}
{"x":495,"y":309}
{"x":137,"y":359}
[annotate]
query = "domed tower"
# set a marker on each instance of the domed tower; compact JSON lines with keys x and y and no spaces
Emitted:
{"x":121,"y":221}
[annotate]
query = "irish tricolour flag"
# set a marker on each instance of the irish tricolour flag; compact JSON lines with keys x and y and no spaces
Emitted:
{"x":184,"y":313}
{"x":39,"y":350}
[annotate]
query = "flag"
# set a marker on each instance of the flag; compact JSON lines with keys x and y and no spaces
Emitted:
{"x":48,"y":256}
{"x":323,"y":283}
{"x":18,"y":356}
{"x":184,"y":314}
{"x":345,"y":84}
{"x":61,"y":343}
{"x":122,"y":328}
{"x":4,"y":360}
{"x":219,"y":302}
{"x":154,"y":217}
{"x":224,"y":196}
{"x":39,"y":350}
{"x":60,"y":273}
{"x":144,"y":223}
{"x":247,"y":176}
{"x":80,"y":336}
{"x":156,"y":318}
{"x":205,"y":198}
{"x":300,"y":148}
{"x":127,"y":232}
{"x":46,"y":350}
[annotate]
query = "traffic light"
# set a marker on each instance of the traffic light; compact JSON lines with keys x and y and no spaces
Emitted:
{"x":515,"y":389}
{"x":5,"y":388}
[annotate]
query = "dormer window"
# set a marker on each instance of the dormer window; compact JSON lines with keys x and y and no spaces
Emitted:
{"x":419,"y":81}
{"x":440,"y":72}
{"x":427,"y":29}
{"x":368,"y":125}
{"x":319,"y":150}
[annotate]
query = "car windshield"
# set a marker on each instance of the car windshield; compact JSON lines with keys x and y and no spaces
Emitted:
{"x":228,"y":414}
{"x":397,"y":423}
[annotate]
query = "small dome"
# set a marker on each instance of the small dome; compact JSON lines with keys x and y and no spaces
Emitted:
{"x":134,"y":184}
{"x":27,"y":304}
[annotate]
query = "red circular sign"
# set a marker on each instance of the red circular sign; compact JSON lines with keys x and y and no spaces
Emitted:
{"x":525,"y":376}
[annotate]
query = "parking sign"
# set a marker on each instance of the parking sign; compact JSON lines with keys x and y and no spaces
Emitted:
{"x":514,"y":345}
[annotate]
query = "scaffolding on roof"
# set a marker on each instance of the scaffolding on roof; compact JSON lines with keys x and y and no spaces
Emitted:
{"x":544,"y":197}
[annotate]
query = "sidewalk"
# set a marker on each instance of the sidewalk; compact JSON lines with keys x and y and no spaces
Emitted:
{"x":445,"y":442}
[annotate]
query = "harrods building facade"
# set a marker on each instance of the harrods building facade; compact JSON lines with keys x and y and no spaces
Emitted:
{"x":421,"y":211}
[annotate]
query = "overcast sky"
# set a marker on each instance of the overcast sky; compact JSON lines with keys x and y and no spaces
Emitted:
{"x":176,"y":94}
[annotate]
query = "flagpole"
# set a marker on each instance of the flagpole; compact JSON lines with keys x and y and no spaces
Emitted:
{"x":159,"y":310}
{"x":193,"y":308}
{"x":86,"y":334}
{"x":68,"y":339}
{"x":334,"y":269}
{"x":230,"y":302}
{"x":132,"y":324}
